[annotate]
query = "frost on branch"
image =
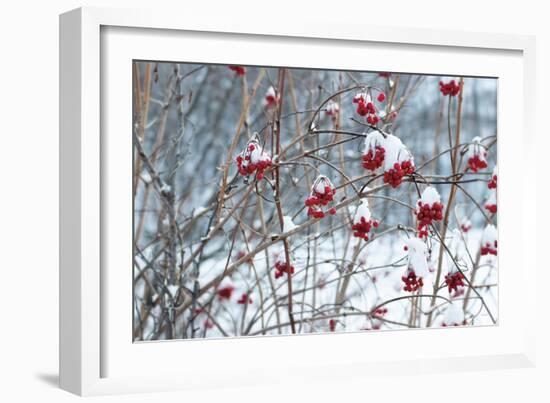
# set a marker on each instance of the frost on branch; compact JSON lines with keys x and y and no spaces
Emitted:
{"x":429,"y":209}
{"x":454,"y":315}
{"x":489,"y":241}
{"x":417,"y":264}
{"x":373,"y":152}
{"x":253,"y":159}
{"x":321,"y":194}
{"x":398,"y":161}
{"x":362,"y":221}
{"x":288,"y":224}
{"x":477,"y":155}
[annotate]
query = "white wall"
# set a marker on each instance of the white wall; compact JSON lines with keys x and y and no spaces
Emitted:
{"x":28,"y":195}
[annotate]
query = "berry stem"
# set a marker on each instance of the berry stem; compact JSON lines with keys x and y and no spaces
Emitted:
{"x":277,"y":135}
{"x":452,"y":194}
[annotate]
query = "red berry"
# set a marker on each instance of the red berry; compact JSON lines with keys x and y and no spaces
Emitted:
{"x":239,"y":70}
{"x":454,"y":281}
{"x":225,"y":292}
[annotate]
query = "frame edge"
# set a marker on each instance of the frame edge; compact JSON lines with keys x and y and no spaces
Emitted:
{"x":70,"y":119}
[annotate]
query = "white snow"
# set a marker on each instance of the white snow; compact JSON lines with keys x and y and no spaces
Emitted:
{"x":332,"y":107}
{"x":477,"y":149}
{"x":418,"y":256}
{"x":199,"y":211}
{"x":430,"y":195}
{"x":454,"y":314}
{"x":258,"y":154}
{"x":271,"y":92}
{"x":490,"y":235}
{"x":173,"y":289}
{"x":492,"y":198}
{"x":362,"y":211}
{"x":146,"y":177}
{"x":457,"y":248}
{"x":288,"y":224}
{"x":396,"y":151}
{"x":319,"y":187}
{"x":312,"y":127}
{"x":320,"y":183}
{"x":383,"y":113}
{"x":465,"y":222}
{"x":165,"y":188}
{"x":372,"y":140}
{"x":363,"y":95}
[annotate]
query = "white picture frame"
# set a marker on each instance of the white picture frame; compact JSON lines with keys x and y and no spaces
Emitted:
{"x":96,"y":352}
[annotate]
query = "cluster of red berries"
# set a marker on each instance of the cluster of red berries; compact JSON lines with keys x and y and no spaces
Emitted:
{"x":247,"y":164}
{"x":239,"y":70}
{"x":412,"y":282}
{"x":365,"y":107}
{"x":226,"y":292}
{"x":493,"y":182}
{"x":426,"y":214}
{"x":281,"y":268}
{"x":374,"y":160}
{"x":466,"y":226}
{"x":451,"y":88}
{"x":475,"y":162}
{"x":454,"y":281}
{"x":381,"y":311}
{"x":245,"y":299}
{"x":362,"y":228}
{"x":394,"y":176}
{"x":332,"y":325}
{"x":489,"y":249}
{"x":491,"y":208}
{"x":318,"y":198}
{"x":384,"y":74}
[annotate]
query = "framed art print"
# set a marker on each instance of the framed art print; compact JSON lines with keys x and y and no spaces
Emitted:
{"x":231,"y":194}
